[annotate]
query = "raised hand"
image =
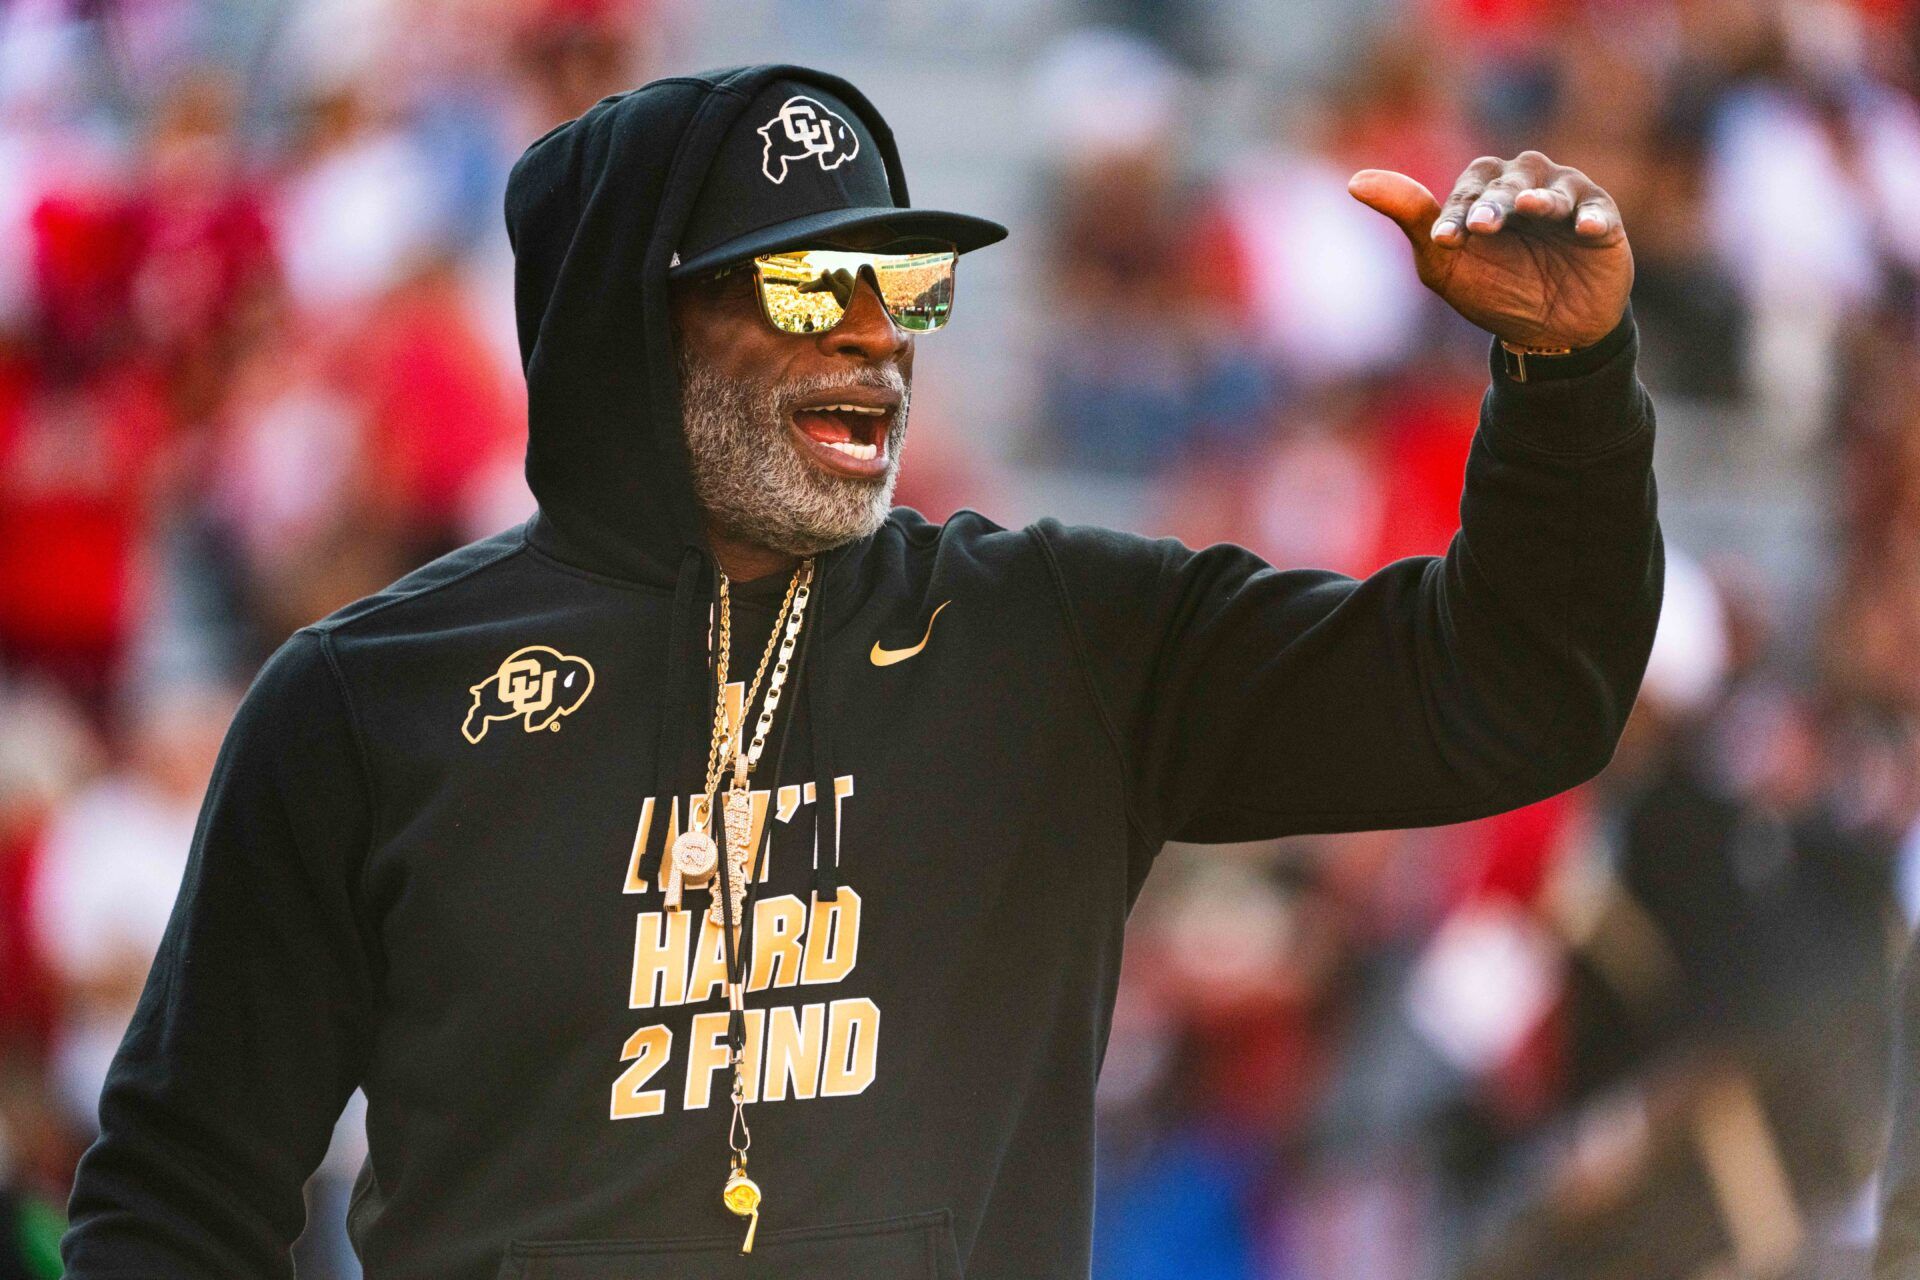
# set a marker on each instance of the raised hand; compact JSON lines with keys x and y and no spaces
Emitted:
{"x":840,"y":281}
{"x":1531,"y":251}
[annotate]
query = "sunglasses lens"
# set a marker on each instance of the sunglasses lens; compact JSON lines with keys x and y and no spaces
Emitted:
{"x":800,"y":293}
{"x":917,"y":288}
{"x":809,"y":290}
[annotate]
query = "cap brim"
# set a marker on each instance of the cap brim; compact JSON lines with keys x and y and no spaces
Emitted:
{"x":875,"y":229}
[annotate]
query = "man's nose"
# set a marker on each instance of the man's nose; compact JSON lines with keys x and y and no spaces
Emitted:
{"x":866,"y":331}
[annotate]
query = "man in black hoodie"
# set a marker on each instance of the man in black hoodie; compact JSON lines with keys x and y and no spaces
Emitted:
{"x":433,"y":858}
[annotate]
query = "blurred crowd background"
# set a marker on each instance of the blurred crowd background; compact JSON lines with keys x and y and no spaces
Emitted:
{"x":256,"y":360}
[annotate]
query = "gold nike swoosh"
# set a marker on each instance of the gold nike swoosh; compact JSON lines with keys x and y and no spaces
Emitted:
{"x":887,"y":657}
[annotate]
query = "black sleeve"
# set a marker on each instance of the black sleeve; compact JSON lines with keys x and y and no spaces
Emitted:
{"x":1898,"y":1249}
{"x":255,"y":1020}
{"x":1249,"y":702}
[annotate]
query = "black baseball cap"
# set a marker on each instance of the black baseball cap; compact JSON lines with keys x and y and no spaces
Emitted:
{"x":800,"y":168}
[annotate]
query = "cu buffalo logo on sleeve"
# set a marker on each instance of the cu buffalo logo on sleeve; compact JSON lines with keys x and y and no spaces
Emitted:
{"x":804,"y":128}
{"x":536,"y":685}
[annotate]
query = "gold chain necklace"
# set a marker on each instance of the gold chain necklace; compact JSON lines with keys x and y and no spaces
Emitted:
{"x":696,"y":857}
{"x":739,"y":803}
{"x":695,"y":853}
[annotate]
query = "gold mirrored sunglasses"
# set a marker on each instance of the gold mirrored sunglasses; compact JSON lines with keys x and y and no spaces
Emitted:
{"x":809,"y":290}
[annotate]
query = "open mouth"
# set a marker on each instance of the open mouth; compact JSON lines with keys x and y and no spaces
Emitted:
{"x":848,"y":433}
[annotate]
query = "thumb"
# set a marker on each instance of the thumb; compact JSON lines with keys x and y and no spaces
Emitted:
{"x":1410,"y":205}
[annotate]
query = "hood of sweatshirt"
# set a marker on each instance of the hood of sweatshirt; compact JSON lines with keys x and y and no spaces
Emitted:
{"x":596,"y":209}
{"x":595,"y":212}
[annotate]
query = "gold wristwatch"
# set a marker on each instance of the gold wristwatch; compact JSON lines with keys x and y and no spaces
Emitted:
{"x":1514,"y":357}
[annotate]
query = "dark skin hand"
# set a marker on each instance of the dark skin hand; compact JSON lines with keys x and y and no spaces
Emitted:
{"x":840,"y":282}
{"x":1531,"y":251}
{"x":723,"y":317}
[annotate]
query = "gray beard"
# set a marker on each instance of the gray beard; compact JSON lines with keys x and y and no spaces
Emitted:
{"x":749,"y":475}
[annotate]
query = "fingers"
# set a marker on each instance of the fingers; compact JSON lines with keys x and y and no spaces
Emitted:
{"x":840,"y":282}
{"x":1596,"y":218}
{"x":1451,"y":227}
{"x":844,"y":283}
{"x":1500,"y":197}
{"x":1570,"y":196}
{"x":1488,"y":194}
{"x":1554,"y":201}
{"x":1410,"y":205}
{"x":1529,"y":186}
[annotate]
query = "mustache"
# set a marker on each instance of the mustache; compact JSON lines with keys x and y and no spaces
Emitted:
{"x":887,"y":379}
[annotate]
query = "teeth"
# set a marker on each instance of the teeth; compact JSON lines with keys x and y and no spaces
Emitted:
{"x":854,"y":449}
{"x":852,"y":408}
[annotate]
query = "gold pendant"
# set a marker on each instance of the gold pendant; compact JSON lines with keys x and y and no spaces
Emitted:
{"x":695,"y":855}
{"x":716,"y":913}
{"x":738,"y":810}
{"x":742,"y":1196}
{"x":692,"y":860}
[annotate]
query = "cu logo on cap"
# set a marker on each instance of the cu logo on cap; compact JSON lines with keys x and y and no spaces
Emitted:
{"x":804,"y":128}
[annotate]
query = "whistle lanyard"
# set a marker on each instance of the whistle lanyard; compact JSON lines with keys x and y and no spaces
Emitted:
{"x":696,"y":855}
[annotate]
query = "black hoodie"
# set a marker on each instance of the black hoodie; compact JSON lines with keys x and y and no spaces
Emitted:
{"x":428,"y":863}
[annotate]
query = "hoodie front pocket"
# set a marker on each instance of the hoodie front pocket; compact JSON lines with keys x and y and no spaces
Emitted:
{"x":917,"y":1246}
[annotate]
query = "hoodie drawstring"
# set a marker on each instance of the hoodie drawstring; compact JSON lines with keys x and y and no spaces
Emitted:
{"x":826,"y":804}
{"x":685,"y":775}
